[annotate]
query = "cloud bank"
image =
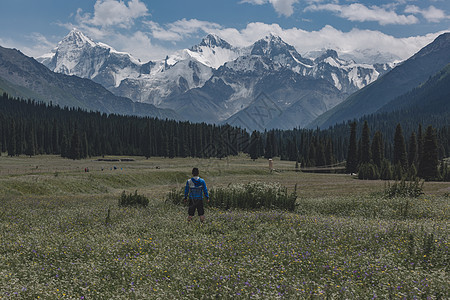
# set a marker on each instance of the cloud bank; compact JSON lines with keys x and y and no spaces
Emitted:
{"x":357,"y":12}
{"x":431,"y":14}
{"x":128,"y":26}
{"x":282,"y":7}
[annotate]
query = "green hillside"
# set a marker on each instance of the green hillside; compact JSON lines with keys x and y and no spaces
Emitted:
{"x":433,"y":96}
{"x":397,"y":82}
{"x":24,"y":77}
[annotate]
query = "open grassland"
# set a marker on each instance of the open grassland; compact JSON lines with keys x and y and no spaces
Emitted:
{"x":345,"y":240}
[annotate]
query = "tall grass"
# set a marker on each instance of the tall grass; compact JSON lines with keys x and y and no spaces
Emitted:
{"x":253,"y":195}
{"x":133,"y":200}
{"x":65,"y":237}
{"x":63,"y":248}
{"x":404,"y":189}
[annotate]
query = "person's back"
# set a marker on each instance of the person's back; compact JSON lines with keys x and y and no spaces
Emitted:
{"x":195,"y":189}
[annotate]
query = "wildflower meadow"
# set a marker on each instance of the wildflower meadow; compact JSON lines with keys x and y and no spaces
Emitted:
{"x":64,"y":235}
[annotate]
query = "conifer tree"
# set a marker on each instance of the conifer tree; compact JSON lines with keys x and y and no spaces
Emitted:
{"x":312,"y":154}
{"x":268,"y":153}
{"x":291,"y":150}
{"x":399,"y":148}
{"x":412,"y":150}
{"x":55,"y":146}
{"x":320,"y":154}
{"x":12,"y":140}
{"x":1,"y":136}
{"x":30,"y":149}
{"x":19,"y":138}
{"x":260,"y":145}
{"x":329,"y":153}
{"x":365,"y":144}
{"x":352,"y":155}
{"x":377,"y":149}
{"x":428,"y":166}
{"x":146,"y":147}
{"x":75,"y":146}
{"x":254,"y":145}
{"x":65,"y":147}
{"x":85,"y":146}
{"x":419,"y":143}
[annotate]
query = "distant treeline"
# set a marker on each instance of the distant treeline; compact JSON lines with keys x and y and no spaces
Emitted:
{"x":29,"y":127}
{"x":419,"y":160}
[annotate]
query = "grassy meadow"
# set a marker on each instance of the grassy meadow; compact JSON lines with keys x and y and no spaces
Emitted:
{"x":63,"y":234}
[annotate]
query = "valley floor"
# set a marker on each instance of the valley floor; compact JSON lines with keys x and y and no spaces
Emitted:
{"x":345,"y":240}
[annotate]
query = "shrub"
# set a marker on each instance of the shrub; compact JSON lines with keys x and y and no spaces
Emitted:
{"x":368,"y":171}
{"x":404,"y":189}
{"x":134,"y":200}
{"x":176,"y":197}
{"x":253,"y":195}
{"x":386,"y":170}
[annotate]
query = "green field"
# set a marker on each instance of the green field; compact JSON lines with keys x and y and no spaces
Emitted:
{"x":344,"y":241}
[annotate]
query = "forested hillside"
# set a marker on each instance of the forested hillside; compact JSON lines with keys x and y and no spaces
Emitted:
{"x":29,"y":127}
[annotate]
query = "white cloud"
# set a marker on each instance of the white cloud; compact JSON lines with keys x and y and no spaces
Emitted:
{"x":181,"y":29}
{"x":152,"y":44}
{"x":282,"y":7}
{"x":139,"y":45}
{"x":40,"y":44}
{"x":361,"y":13}
{"x":112,"y":23}
{"x":255,"y":2}
{"x":431,"y":14}
{"x":114,"y":13}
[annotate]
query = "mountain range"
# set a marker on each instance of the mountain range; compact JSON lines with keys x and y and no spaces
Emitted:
{"x":22,"y":76}
{"x":263,"y":86}
{"x":381,"y":95}
{"x":215,"y":82}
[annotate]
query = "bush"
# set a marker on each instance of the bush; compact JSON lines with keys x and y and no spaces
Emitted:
{"x":253,"y":195}
{"x":368,"y":171}
{"x":134,"y":200}
{"x":404,"y":189}
{"x":445,"y":172}
{"x":176,"y":197}
{"x":386,"y":170}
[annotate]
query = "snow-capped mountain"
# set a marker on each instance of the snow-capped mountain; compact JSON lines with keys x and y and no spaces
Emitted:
{"x":347,"y":76}
{"x":79,"y":55}
{"x":213,"y":51}
{"x":213,"y":81}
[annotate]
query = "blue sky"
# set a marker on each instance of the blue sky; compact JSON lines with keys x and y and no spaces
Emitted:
{"x":151,"y":29}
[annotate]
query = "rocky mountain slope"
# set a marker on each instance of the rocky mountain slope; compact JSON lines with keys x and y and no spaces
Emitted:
{"x":402,"y":79}
{"x":216,"y":82}
{"x":22,"y":76}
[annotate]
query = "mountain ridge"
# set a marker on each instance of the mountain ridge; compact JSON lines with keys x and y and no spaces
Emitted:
{"x":175,"y":81}
{"x":27,"y":77}
{"x":403,"y":78}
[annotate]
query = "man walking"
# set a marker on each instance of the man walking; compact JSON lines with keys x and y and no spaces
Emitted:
{"x":195,"y":188}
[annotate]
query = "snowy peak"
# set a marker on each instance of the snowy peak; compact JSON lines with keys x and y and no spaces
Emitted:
{"x":214,"y":77}
{"x":271,"y":45}
{"x":212,"y":41}
{"x":275,"y":48}
{"x":213,"y":51}
{"x":77,"y":39}
{"x":328,"y":53}
{"x":77,"y":54}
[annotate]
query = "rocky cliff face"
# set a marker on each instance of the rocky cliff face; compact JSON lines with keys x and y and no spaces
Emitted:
{"x":213,"y":81}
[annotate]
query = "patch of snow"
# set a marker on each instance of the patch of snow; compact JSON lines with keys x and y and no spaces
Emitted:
{"x":337,"y":84}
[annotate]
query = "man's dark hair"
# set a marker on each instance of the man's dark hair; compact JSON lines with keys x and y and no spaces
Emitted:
{"x":195,"y":172}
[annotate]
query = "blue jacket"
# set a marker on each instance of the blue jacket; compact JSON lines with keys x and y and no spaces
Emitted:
{"x":195,"y":188}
